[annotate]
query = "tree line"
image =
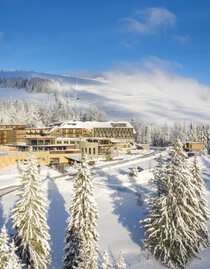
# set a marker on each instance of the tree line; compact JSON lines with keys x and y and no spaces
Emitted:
{"x":36,"y":113}
{"x":164,"y":135}
{"x":34,"y":85}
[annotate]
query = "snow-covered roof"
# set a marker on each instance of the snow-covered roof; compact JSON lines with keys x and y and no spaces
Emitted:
{"x":66,"y":150}
{"x":98,"y":138}
{"x":39,"y":136}
{"x":193,"y":142}
{"x":17,"y":144}
{"x":68,"y":139}
{"x":92,"y":125}
{"x":76,"y":158}
{"x":38,"y":128}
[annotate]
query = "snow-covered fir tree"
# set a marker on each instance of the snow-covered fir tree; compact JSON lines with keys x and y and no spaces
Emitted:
{"x":14,"y":261}
{"x":121,"y":261}
{"x":94,"y":114}
{"x":175,"y":219}
{"x":81,"y":251}
{"x":105,"y":264}
{"x":4,"y":248}
{"x":158,"y":180}
{"x":200,"y":192}
{"x":193,"y":132}
{"x":136,"y":126}
{"x":146,"y":133}
{"x":29,"y":218}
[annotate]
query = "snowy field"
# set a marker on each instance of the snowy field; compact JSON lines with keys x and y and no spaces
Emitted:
{"x":121,"y":202}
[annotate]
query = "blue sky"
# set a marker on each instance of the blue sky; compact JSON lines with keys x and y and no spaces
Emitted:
{"x":65,"y":36}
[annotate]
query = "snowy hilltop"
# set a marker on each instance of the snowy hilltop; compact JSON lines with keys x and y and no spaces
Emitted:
{"x":120,"y":94}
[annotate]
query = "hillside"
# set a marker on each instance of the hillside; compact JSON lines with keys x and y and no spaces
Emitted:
{"x":149,"y":96}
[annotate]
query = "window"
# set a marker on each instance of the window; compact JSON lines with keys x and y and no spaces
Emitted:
{"x":94,"y":151}
{"x":54,"y":161}
{"x":89,"y":150}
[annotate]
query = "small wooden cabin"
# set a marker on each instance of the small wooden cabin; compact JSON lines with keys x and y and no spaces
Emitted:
{"x":194,"y":146}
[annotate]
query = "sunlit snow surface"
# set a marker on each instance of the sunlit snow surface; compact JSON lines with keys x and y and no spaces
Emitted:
{"x":120,"y":209}
{"x":155,"y":96}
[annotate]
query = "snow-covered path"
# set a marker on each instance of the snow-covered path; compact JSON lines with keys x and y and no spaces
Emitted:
{"x":121,"y":202}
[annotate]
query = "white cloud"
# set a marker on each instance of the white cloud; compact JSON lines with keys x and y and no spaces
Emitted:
{"x":155,"y":63}
{"x":183,"y":39}
{"x":152,"y":91}
{"x":150,"y":20}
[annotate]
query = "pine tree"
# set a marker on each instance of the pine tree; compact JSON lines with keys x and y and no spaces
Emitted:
{"x":121,"y":261}
{"x":105,"y":261}
{"x":193,"y":135}
{"x":81,"y":249}
{"x":4,"y":248}
{"x":29,"y":218}
{"x":200,"y":192}
{"x":158,"y":180}
{"x":175,"y":219}
{"x":14,"y":261}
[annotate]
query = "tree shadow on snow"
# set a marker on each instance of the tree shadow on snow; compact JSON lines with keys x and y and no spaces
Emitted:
{"x":2,"y":220}
{"x":206,"y":179}
{"x":6,"y":220}
{"x":206,"y":173}
{"x":57,"y":217}
{"x":128,"y":205}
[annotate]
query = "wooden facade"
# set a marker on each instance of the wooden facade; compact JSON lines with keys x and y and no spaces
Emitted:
{"x":115,"y":132}
{"x":43,"y":158}
{"x":12,"y":133}
{"x":194,"y":146}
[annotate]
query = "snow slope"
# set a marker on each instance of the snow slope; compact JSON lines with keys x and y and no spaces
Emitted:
{"x":121,"y":202}
{"x":11,"y":93}
{"x":154,"y":96}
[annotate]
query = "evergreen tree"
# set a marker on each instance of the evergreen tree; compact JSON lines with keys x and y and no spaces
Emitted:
{"x":105,"y":261}
{"x":137,"y":133}
{"x":145,"y":134}
{"x":95,"y":114}
{"x":14,"y":261}
{"x":200,"y":192}
{"x":4,"y":248}
{"x":81,"y":249}
{"x":29,"y":218}
{"x":175,"y":218}
{"x":158,"y":180}
{"x":193,"y":135}
{"x":121,"y":262}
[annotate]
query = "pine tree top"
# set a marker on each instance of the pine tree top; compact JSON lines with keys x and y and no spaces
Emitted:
{"x":121,"y":261}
